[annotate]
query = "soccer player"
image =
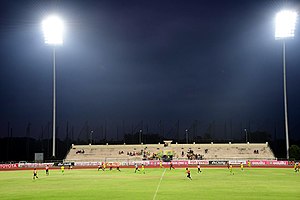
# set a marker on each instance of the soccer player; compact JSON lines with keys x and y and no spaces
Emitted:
{"x":143,"y":168}
{"x":136,"y":168}
{"x":47,"y":170}
{"x":62,"y":168}
{"x":296,"y":167}
{"x":35,"y":174}
{"x":188,"y":173}
{"x":118,"y":167}
{"x":242,"y":166}
{"x":103,"y":166}
{"x":199,"y":168}
{"x":99,"y":167}
{"x":160,"y":164}
{"x":249,"y":163}
{"x":171,"y":165}
{"x":230,"y":169}
{"x":228,"y":165}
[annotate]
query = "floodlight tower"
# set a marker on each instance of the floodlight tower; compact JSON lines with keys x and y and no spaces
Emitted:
{"x":140,"y":136}
{"x":285,"y":24}
{"x":187,"y":135}
{"x":246,"y":134}
{"x":53,"y":29}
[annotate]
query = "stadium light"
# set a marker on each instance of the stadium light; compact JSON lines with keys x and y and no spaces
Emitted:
{"x":285,"y":25}
{"x":53,"y":29}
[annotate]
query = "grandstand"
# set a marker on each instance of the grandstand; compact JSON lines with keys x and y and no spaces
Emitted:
{"x":167,"y":151}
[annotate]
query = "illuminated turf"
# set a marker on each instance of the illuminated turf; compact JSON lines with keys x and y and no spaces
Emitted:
{"x":210,"y":184}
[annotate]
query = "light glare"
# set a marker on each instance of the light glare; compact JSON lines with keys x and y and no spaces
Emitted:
{"x":285,"y":24}
{"x":53,"y":29}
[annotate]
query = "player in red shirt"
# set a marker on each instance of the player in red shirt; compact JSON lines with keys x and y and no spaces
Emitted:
{"x":188,"y":173}
{"x":118,"y":167}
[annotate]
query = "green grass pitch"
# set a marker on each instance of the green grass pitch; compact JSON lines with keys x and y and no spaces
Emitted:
{"x":212,"y":183}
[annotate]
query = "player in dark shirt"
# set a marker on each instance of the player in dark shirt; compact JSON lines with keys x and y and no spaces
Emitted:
{"x":199,"y":168}
{"x":171,"y":165}
{"x":35,"y":174}
{"x":136,"y":168}
{"x":47,"y":170}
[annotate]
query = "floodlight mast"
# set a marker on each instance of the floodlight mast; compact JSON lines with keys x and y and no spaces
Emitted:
{"x":53,"y":35}
{"x":285,"y":23}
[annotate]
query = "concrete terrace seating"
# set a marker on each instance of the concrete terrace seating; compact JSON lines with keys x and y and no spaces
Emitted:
{"x":111,"y":152}
{"x":226,"y":151}
{"x":100,"y":153}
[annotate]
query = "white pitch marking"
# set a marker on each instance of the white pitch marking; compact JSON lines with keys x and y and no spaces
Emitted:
{"x":159,"y":184}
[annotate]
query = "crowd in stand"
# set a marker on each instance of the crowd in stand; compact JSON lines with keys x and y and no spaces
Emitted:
{"x":80,"y":151}
{"x":192,"y":156}
{"x":146,"y":154}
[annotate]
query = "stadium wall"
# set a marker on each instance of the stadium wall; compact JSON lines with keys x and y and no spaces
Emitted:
{"x":152,"y":164}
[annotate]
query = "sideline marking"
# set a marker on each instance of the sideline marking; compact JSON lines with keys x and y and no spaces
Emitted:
{"x":159,"y":184}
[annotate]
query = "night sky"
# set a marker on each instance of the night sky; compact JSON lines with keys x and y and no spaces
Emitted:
{"x":131,"y":61}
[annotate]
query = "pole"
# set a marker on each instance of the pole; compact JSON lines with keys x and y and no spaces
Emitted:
{"x":285,"y":103}
{"x":54,"y":105}
{"x":140,"y":137}
{"x":187,"y":136}
{"x":91,"y":137}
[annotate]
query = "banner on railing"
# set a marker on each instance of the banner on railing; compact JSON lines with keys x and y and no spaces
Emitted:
{"x":8,"y":166}
{"x":150,"y":163}
{"x":276,"y":162}
{"x":33,"y":165}
{"x":238,"y":162}
{"x":86,"y":164}
{"x":196,"y":162}
{"x":174,"y":162}
{"x":218,"y":162}
{"x":268,"y":162}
